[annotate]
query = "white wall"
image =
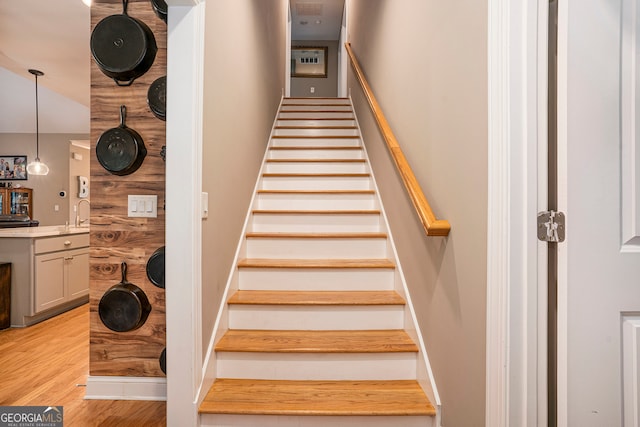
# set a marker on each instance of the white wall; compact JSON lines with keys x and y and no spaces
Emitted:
{"x":244,"y":80}
{"x":426,"y":63}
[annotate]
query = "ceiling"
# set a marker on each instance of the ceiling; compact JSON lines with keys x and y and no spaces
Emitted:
{"x":316,"y":19}
{"x":53,"y":36}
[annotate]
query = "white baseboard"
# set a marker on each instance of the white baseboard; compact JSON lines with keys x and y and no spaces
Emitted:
{"x":126,"y":388}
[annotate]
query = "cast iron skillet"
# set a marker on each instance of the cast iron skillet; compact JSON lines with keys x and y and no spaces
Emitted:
{"x":157,"y":97}
{"x":160,"y":8}
{"x":163,"y":360}
{"x":121,"y":150}
{"x":123,"y":47}
{"x":124,"y":307}
{"x":155,"y":267}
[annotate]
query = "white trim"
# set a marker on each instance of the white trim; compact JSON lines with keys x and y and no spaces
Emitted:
{"x":497,"y":410}
{"x":185,"y":63}
{"x":287,"y":53}
{"x":126,"y":388}
{"x":514,"y":85}
{"x":562,"y":279}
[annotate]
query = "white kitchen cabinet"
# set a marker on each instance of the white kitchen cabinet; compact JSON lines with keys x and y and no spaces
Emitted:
{"x":49,"y":270}
{"x":61,"y":270}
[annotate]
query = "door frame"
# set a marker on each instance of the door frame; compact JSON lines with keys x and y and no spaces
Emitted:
{"x":516,"y":264}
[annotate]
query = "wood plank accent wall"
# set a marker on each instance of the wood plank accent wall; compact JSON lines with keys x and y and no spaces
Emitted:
{"x":115,"y":237}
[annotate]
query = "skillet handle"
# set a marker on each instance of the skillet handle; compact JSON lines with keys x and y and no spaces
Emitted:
{"x":123,"y":114}
{"x":124,"y":83}
{"x":125,"y":3}
{"x":123,"y":267}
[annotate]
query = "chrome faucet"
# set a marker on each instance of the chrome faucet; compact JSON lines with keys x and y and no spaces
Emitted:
{"x":78,"y":221}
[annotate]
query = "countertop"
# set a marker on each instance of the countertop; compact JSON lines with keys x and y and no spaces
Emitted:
{"x":42,"y":231}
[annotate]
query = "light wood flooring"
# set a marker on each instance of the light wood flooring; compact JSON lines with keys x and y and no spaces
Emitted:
{"x":47,"y":365}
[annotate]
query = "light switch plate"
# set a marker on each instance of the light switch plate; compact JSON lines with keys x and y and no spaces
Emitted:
{"x":142,"y":206}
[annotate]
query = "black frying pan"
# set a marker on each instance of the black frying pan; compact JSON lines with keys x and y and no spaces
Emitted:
{"x":163,"y":360}
{"x":160,"y":9}
{"x":124,"y":307}
{"x":121,"y":150}
{"x":157,"y":97}
{"x":155,"y":267}
{"x":123,"y":47}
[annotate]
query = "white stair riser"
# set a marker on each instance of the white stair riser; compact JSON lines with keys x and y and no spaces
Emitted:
{"x":315,"y":201}
{"x":311,"y":279}
{"x":316,"y":142}
{"x":317,"y":153}
{"x":317,"y":114}
{"x":317,"y":366}
{"x":225,"y":420}
{"x":325,"y":248}
{"x":316,"y":167}
{"x":316,"y":222}
{"x":316,"y":108}
{"x":315,"y":132}
{"x":316,"y":100}
{"x":316,"y":183}
{"x":290,"y":317}
{"x":313,"y":122}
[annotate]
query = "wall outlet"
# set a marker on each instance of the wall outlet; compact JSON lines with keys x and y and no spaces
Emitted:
{"x":313,"y":89}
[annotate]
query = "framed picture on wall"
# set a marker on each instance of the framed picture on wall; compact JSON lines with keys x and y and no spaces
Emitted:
{"x":13,"y":168}
{"x":309,"y":61}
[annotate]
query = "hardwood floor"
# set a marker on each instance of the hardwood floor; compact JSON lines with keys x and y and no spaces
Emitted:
{"x":47,"y":365}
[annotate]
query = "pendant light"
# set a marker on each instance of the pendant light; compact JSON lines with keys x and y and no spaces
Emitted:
{"x":37,"y":167}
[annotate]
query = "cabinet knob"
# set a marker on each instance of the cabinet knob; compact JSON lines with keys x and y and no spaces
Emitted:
{"x":67,"y":242}
{"x":68,"y":258}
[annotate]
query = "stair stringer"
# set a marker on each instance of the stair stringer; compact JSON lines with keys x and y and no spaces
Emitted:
{"x":221,"y":324}
{"x":424,"y":371}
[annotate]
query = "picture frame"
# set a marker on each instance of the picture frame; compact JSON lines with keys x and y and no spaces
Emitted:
{"x":309,"y":61}
{"x":13,"y":168}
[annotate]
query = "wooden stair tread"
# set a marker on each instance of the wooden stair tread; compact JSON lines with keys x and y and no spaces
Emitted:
{"x":316,"y":160}
{"x":320,"y":104}
{"x":271,"y":397}
{"x":314,"y":212}
{"x":333,"y":192}
{"x":322,"y":235}
{"x":316,"y":137}
{"x":317,"y":147}
{"x":314,"y":175}
{"x":316,"y":98}
{"x":315,"y":118}
{"x":316,"y":298}
{"x":315,"y":263}
{"x":316,"y":111}
{"x":316,"y":127}
{"x":313,"y":341}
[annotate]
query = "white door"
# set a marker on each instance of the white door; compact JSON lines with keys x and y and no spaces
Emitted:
{"x":599,"y":190}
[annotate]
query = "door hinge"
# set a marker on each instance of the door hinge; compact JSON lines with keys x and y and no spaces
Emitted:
{"x":551,"y":226}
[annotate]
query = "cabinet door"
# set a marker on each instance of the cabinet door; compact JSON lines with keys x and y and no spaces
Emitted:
{"x":77,"y":270}
{"x":49,"y":280}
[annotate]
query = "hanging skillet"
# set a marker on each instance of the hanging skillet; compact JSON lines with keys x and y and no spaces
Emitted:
{"x":121,"y":150}
{"x":123,"y":47}
{"x":157,"y":97}
{"x":124,"y":307}
{"x":160,"y":9}
{"x":155,"y":267}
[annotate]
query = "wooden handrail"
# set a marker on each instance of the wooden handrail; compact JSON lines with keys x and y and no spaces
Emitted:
{"x":432,"y":225}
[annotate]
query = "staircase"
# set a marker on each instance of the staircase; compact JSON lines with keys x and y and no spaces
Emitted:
{"x":317,"y":329}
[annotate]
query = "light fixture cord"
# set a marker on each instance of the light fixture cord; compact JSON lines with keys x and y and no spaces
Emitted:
{"x":37,"y":124}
